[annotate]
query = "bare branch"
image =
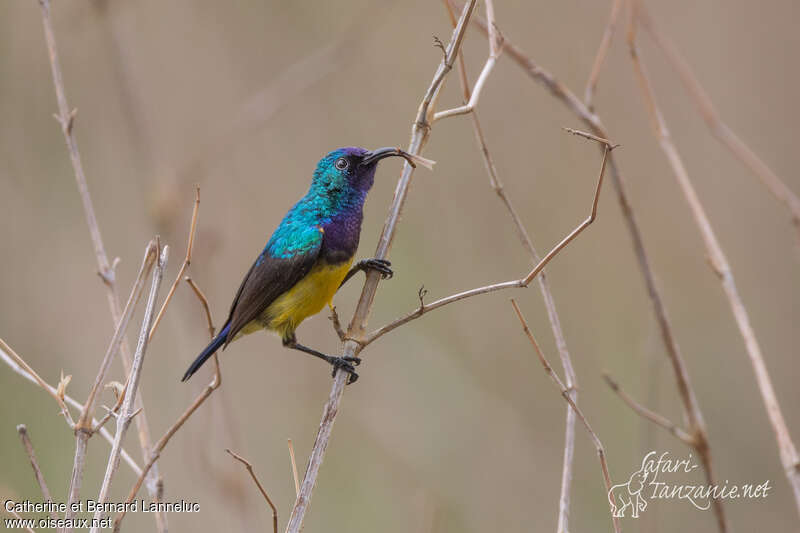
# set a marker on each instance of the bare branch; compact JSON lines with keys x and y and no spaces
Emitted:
{"x":294,"y":469}
{"x":591,"y":137}
{"x":249,"y":468}
{"x":787,"y":450}
{"x":691,"y":406}
{"x":186,"y":262}
{"x":718,"y":128}
{"x":494,"y":52}
{"x":12,"y":512}
{"x":128,"y":410}
{"x":647,"y":414}
{"x":204,"y":302}
{"x":5,"y":356}
{"x":601,"y":454}
{"x":602,"y":52}
{"x":544,"y":285}
{"x":113,"y":347}
{"x":419,"y":135}
{"x":337,"y":325}
{"x":66,"y":118}
{"x":26,"y":443}
{"x":215,"y":383}
{"x":20,"y":363}
{"x":518,"y":283}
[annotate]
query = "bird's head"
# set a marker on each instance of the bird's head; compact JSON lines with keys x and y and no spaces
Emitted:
{"x":352,"y":169}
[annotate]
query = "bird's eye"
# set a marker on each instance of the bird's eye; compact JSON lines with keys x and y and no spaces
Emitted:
{"x":341,"y":163}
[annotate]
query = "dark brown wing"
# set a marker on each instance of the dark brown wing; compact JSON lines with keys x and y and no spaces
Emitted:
{"x":268,"y":278}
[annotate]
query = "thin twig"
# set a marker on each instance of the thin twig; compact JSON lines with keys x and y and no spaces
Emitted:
{"x":688,"y":397}
{"x":66,"y":118}
{"x":474,"y":95}
{"x":602,"y":52}
{"x":113,"y":347}
{"x":26,"y":443}
{"x":204,"y":302}
{"x":128,"y":410}
{"x":6,"y":350}
{"x":544,"y":286}
{"x":517,"y":283}
{"x":164,"y":440}
{"x":294,"y":469}
{"x":110,"y":412}
{"x":601,"y":454}
{"x":718,"y":128}
{"x":337,"y":325}
{"x":12,"y":362}
{"x":83,"y":429}
{"x":249,"y":468}
{"x":591,"y":137}
{"x":215,"y":383}
{"x":9,"y":505}
{"x":647,"y":414}
{"x":719,"y":262}
{"x":186,"y":262}
{"x":420,"y":132}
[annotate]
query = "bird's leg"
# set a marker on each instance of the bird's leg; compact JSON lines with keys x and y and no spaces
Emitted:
{"x":345,"y":363}
{"x":381,"y":265}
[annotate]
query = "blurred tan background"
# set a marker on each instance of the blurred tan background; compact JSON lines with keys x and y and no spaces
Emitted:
{"x":453,"y":425}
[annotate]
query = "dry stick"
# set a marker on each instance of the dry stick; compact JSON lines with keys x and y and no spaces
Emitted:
{"x":66,"y":118}
{"x":718,"y":128}
{"x":693,"y":414}
{"x":128,"y":410}
{"x":249,"y":468}
{"x":23,"y":370}
{"x":83,"y":429}
{"x":26,"y":443}
{"x":210,"y":388}
{"x":517,"y":283}
{"x":788,"y":453}
{"x":20,"y":363}
{"x":600,"y":56}
{"x":12,"y":512}
{"x":186,"y":262}
{"x":647,"y":414}
{"x":494,"y":52}
{"x":601,"y":454}
{"x":419,"y":134}
{"x":294,"y":469}
{"x":150,"y":255}
{"x":110,"y":412}
{"x":544,"y":285}
{"x":688,"y":397}
{"x":204,"y":301}
{"x":215,"y":383}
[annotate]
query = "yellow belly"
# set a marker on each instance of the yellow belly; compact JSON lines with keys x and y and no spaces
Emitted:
{"x":306,"y":298}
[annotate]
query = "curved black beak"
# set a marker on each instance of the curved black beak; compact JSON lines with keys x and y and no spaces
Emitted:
{"x":381,"y":153}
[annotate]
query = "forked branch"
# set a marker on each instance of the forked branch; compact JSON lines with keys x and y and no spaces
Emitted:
{"x":517,"y":283}
{"x":601,"y":453}
{"x":261,"y":489}
{"x":719,"y":262}
{"x":420,"y":132}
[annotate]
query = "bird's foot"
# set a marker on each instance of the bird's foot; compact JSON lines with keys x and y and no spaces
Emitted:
{"x":381,"y":265}
{"x":347,"y":364}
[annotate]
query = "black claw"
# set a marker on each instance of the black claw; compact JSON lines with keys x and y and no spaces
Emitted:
{"x":355,"y":360}
{"x":344,"y":364}
{"x":381,"y":265}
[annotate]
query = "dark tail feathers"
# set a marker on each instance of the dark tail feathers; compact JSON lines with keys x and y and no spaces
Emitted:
{"x":218,"y":341}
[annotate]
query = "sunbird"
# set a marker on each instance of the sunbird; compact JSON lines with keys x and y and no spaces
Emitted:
{"x":309,"y":256}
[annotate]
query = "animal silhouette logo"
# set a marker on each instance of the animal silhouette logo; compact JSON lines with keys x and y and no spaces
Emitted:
{"x":629,"y":495}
